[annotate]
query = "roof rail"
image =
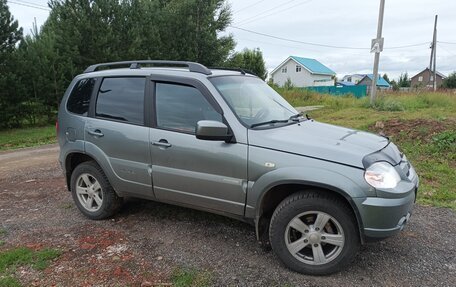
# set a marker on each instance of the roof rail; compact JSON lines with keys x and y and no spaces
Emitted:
{"x":241,"y":70}
{"x":192,"y":66}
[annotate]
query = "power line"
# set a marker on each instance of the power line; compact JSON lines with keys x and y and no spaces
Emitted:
{"x":406,"y":46}
{"x":323,"y":45}
{"x":266,"y":11}
{"x":300,"y":42}
{"x":31,"y":3}
{"x":27,"y":5}
{"x":247,"y":7}
{"x":448,"y":51}
{"x":275,"y":12}
{"x":449,"y":43}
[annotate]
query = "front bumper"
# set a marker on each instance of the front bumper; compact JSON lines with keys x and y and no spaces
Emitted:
{"x":387,"y":214}
{"x":384,"y":217}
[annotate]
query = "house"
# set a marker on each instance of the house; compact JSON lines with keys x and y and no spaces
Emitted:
{"x":425,"y":79}
{"x":303,"y":72}
{"x":367,"y":81}
{"x":355,"y":78}
{"x":344,"y":84}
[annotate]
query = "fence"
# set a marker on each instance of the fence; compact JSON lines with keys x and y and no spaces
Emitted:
{"x":356,"y":91}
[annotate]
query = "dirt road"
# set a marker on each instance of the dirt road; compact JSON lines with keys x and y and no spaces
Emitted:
{"x":148,"y":241}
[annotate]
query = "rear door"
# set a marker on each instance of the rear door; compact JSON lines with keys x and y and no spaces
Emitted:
{"x":117,"y":132}
{"x":207,"y":174}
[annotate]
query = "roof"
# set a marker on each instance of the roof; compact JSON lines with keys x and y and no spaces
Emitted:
{"x":312,"y":65}
{"x":169,"y":71}
{"x":380,"y":82}
{"x":355,"y":75}
{"x":344,"y":83}
{"x":437,"y":72}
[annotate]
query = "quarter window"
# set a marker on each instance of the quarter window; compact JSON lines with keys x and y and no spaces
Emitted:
{"x":180,"y":107}
{"x":122,"y":99}
{"x":79,"y":99}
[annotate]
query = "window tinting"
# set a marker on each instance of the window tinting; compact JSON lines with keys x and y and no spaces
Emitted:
{"x":180,"y":107}
{"x":79,"y":99}
{"x":122,"y":99}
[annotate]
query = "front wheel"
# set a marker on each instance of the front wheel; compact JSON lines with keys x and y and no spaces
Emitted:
{"x":314,"y":233}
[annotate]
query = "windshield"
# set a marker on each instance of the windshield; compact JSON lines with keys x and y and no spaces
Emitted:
{"x":253,"y":101}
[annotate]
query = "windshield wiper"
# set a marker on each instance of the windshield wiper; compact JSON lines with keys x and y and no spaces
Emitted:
{"x":268,"y":122}
{"x":296,"y":117}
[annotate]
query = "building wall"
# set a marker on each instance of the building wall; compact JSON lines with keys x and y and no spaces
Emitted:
{"x":368,"y":83}
{"x":300,"y":79}
{"x":425,"y":82}
{"x":353,"y":78}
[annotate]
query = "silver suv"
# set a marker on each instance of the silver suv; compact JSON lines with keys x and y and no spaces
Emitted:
{"x":223,"y":141}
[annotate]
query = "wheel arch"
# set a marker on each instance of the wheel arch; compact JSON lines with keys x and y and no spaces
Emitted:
{"x":72,"y":160}
{"x":277,"y":192}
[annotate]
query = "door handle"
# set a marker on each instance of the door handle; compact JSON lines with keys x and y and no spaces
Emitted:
{"x":96,"y":133}
{"x":162,"y":143}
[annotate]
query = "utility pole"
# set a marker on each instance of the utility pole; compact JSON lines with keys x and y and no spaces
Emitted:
{"x":432,"y":62}
{"x":435,"y":52}
{"x":377,"y":47}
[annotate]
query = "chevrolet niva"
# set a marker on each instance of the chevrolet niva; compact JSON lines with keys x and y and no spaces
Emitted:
{"x":223,"y":141}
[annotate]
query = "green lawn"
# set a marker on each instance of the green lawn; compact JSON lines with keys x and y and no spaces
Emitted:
{"x":27,"y":137}
{"x":21,"y":256}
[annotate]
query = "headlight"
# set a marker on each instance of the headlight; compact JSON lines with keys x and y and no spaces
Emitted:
{"x":382,"y":175}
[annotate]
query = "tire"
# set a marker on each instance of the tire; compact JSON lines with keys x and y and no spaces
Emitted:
{"x":92,"y":192}
{"x":303,"y":241}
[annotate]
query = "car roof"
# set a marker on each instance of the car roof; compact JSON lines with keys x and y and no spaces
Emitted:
{"x":158,"y":67}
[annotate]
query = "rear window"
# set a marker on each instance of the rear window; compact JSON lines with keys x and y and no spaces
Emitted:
{"x":122,"y":99}
{"x":79,"y":99}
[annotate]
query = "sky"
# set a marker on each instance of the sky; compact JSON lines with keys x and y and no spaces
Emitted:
{"x":348,"y":23}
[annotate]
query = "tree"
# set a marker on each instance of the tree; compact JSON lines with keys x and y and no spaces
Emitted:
{"x":450,"y":81}
{"x":250,"y":60}
{"x":79,"y":33}
{"x":404,"y":80}
{"x":10,"y":36}
{"x":288,"y":85}
{"x":394,"y":85}
{"x":385,"y":77}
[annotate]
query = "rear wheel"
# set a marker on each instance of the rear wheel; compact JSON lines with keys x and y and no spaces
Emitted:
{"x":314,"y":233}
{"x":92,"y":192}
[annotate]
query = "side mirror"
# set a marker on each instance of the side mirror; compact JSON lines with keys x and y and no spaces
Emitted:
{"x":212,"y":131}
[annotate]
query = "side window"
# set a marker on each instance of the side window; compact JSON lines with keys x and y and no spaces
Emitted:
{"x":180,"y":107}
{"x":79,"y":99}
{"x":122,"y":99}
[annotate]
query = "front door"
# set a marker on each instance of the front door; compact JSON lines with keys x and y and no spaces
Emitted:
{"x":207,"y":174}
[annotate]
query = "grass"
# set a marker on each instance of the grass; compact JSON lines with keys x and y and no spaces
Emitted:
{"x":27,"y":137}
{"x":186,"y":277}
{"x":21,"y":256}
{"x":429,"y":145}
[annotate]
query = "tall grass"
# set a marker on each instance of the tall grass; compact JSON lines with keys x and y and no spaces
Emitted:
{"x":385,"y":101}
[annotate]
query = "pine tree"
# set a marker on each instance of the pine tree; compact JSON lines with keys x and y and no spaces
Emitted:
{"x":10,"y":36}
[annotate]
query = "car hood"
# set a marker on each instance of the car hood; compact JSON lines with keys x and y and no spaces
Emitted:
{"x":319,"y":140}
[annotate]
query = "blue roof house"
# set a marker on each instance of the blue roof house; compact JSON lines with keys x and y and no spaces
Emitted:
{"x":367,"y":81}
{"x":303,"y":72}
